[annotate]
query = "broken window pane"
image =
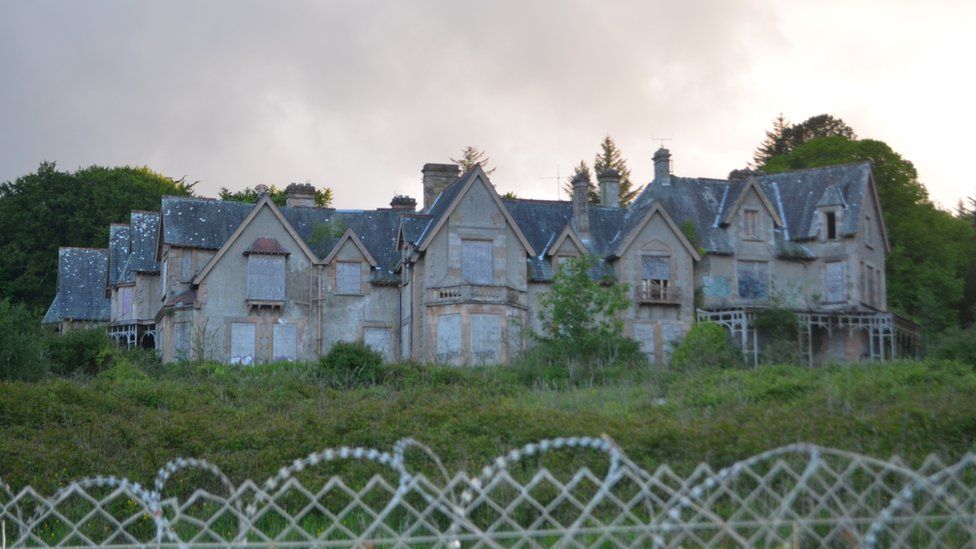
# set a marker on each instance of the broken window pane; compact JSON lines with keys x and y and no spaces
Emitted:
{"x":266,"y":277}
{"x":348,"y":278}
{"x":753,"y":279}
{"x":476,"y":262}
{"x":285,"y":341}
{"x":242,"y":339}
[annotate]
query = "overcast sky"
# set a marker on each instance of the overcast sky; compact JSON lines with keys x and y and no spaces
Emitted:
{"x":357,"y":96}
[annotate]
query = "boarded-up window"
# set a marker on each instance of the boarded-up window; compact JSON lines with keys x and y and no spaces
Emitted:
{"x":266,"y":277}
{"x":671,"y":334}
{"x":750,"y":224}
{"x":449,"y":339}
{"x":187,"y":266}
{"x":753,"y":279}
{"x":285,"y":341}
{"x":644,"y":334}
{"x":181,"y":341}
{"x":242,"y":338}
{"x":165,"y":270}
{"x":380,"y":340}
{"x":486,"y":339}
{"x":349,"y":278}
{"x":476,"y":262}
{"x":125,"y":303}
{"x":514,"y":337}
{"x":868,"y":236}
{"x":655,"y":267}
{"x":835,"y":283}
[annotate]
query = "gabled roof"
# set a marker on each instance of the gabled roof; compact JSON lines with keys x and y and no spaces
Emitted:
{"x":697,"y":202}
{"x":118,"y":251}
{"x":143,"y":238}
{"x":542,"y":222}
{"x":445,"y":203}
{"x":82,"y":274}
{"x":637,"y":219}
{"x":568,"y":233}
{"x":738,"y":191}
{"x":350,"y":236}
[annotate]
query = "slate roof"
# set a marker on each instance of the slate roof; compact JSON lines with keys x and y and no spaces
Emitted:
{"x":118,"y":251}
{"x":82,"y":275}
{"x":143,"y":239}
{"x":696,"y":201}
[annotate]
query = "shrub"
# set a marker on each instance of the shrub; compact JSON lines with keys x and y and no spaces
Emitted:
{"x":21,"y":344}
{"x":956,"y":344}
{"x":351,"y":364}
{"x":707,"y":345}
{"x":81,"y":351}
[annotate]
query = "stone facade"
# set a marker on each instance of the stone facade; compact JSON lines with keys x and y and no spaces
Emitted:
{"x":460,"y":281}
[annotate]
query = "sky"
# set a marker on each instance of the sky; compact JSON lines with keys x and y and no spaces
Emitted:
{"x":357,"y":96}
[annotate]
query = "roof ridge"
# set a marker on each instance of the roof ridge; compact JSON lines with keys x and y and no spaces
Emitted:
{"x":537,"y":200}
{"x":815,"y":168}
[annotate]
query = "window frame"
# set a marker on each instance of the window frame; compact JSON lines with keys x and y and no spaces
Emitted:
{"x":491,"y":262}
{"x":842,"y":296}
{"x":738,"y":276}
{"x":251,"y":296}
{"x":358,"y":265}
{"x":830,"y":225}
{"x":750,"y":224}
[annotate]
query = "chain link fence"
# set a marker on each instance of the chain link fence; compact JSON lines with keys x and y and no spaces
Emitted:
{"x":795,"y":496}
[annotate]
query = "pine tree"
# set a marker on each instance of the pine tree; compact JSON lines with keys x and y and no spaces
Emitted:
{"x":593,"y":195}
{"x":473,"y":155}
{"x":773,"y":145}
{"x":610,"y":157}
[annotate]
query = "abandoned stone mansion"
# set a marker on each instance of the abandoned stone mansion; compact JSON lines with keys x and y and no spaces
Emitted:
{"x":459,"y":280}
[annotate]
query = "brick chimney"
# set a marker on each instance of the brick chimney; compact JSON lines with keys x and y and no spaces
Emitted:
{"x":403,"y":203}
{"x":609,"y":188}
{"x":581,"y":213}
{"x":436,"y":178}
{"x":662,"y":166}
{"x":300,"y":195}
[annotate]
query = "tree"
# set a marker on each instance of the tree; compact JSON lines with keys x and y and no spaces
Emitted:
{"x":50,"y":208}
{"x":473,"y":155}
{"x":610,"y":157}
{"x":932,"y":251}
{"x":592,"y":194}
{"x":784,"y":137}
{"x":323,"y":197}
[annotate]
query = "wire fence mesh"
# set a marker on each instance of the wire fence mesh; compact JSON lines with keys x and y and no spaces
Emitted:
{"x":800,"y":495}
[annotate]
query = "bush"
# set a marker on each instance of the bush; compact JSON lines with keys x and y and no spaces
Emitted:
{"x":956,"y":344}
{"x":707,"y":345}
{"x":21,"y":344}
{"x":81,"y":352}
{"x":350,"y":365}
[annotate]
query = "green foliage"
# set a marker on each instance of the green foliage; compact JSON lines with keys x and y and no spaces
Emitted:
{"x":932,"y":251}
{"x":351,"y":364}
{"x":784,"y":138}
{"x":323,"y":234}
{"x":323,"y":197}
{"x":691,"y":233}
{"x":592,"y":193}
{"x":42,"y":211}
{"x":955,"y":344}
{"x":611,"y":157}
{"x":706,"y":346}
{"x":22,"y":352}
{"x":251,"y":421}
{"x":85,"y":352}
{"x":470,"y":156}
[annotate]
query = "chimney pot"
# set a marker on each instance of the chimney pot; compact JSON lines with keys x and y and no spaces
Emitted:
{"x":609,"y":188}
{"x":436,"y":178}
{"x":403,"y":203}
{"x":300,"y":195}
{"x":581,"y":212}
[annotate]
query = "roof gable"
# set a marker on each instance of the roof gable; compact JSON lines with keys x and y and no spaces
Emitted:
{"x":82,"y":275}
{"x":441,"y":211}
{"x":654,"y":209}
{"x":568,"y":233}
{"x":350,"y":236}
{"x":751,"y":184}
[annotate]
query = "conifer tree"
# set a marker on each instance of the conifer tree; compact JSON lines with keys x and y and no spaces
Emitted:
{"x":610,"y":157}
{"x":473,"y":155}
{"x":593,"y":194}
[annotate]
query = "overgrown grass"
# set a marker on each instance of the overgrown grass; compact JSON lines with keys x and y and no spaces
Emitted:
{"x":135,"y":417}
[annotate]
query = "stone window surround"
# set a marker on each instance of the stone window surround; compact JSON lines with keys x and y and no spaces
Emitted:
{"x":751,"y":224}
{"x":335,"y":277}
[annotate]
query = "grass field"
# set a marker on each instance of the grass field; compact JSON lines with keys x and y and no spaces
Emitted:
{"x":252,"y":422}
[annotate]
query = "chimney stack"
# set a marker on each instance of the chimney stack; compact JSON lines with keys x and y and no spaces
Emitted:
{"x":662,"y":166}
{"x":581,"y":214}
{"x":403,"y":203}
{"x":436,"y":178}
{"x":300,"y":195}
{"x":609,"y":188}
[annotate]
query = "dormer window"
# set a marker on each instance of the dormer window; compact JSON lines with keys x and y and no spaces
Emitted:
{"x":830,"y":224}
{"x":266,"y":271}
{"x":750,"y":224}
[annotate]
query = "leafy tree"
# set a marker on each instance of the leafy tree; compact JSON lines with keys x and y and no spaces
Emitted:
{"x":785,"y":137}
{"x":50,"y":208}
{"x":932,"y":251}
{"x":580,"y":313}
{"x":473,"y":155}
{"x":592,"y":194}
{"x":610,"y":157}
{"x":323,"y":197}
{"x":510,"y":195}
{"x":706,"y":346}
{"x":22,"y":344}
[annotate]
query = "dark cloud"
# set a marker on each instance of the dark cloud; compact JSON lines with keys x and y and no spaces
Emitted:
{"x":358,"y":95}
